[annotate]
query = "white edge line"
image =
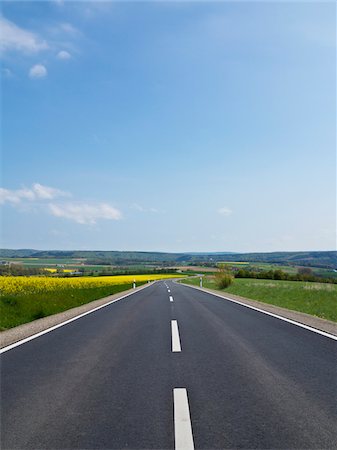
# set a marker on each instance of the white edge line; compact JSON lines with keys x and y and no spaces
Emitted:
{"x":171,"y":298}
{"x":302,"y":325}
{"x":176,"y":347}
{"x":48,"y":330}
{"x":183,"y":435}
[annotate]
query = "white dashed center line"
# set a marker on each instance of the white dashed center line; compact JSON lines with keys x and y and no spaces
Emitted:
{"x":176,"y":347}
{"x":182,"y":421}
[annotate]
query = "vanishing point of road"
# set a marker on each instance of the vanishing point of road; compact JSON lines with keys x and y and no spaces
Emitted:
{"x":171,"y":367}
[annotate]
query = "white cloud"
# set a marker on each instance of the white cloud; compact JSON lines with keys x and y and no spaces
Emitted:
{"x":38,"y":71}
{"x":8,"y":196}
{"x":16,"y":38}
{"x":224,"y":211}
{"x":43,"y":197}
{"x":141,"y":208}
{"x":35,"y":193}
{"x":68,"y":28}
{"x":138,"y":207}
{"x":85,"y":213}
{"x":48,"y":193}
{"x":63,"y":55}
{"x":65,"y":30}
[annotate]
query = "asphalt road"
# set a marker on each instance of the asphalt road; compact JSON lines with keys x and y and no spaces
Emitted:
{"x":110,"y":380}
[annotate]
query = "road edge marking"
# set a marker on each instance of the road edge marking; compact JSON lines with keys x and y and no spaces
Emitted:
{"x":285,"y":319}
{"x":183,"y":436}
{"x":54,"y":327}
{"x":176,"y":346}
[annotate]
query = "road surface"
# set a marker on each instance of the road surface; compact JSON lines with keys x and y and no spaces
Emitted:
{"x":171,"y":367}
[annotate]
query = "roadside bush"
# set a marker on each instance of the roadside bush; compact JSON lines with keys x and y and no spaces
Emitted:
{"x":223,"y":279}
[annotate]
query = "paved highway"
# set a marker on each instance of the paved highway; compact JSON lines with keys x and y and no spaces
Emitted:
{"x":171,"y":367}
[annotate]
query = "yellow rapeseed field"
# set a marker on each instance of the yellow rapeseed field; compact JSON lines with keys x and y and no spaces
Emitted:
{"x":36,"y":285}
{"x":55,"y":270}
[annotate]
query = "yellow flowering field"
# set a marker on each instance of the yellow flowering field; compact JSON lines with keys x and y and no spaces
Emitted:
{"x":34,"y":285}
{"x":55,"y":270}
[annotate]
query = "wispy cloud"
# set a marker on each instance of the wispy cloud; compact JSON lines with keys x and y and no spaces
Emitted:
{"x":64,"y":55}
{"x":224,"y":211}
{"x":35,"y":193}
{"x":58,"y":42}
{"x":141,"y":208}
{"x":65,"y":29}
{"x":15,"y":38}
{"x":48,"y":199}
{"x":48,"y":193}
{"x":85,"y":213}
{"x":38,"y":71}
{"x":69,"y":28}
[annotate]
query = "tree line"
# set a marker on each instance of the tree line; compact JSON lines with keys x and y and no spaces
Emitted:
{"x":20,"y":270}
{"x":303,"y":274}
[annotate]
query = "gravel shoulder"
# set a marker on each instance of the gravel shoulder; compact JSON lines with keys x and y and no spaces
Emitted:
{"x":26,"y":330}
{"x":306,"y":319}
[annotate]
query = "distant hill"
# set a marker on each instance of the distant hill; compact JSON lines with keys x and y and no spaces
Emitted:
{"x":316,"y":259}
{"x":8,"y":253}
{"x":326,"y":259}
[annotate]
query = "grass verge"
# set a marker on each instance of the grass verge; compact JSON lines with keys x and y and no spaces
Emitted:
{"x":23,"y":308}
{"x":317,"y":299}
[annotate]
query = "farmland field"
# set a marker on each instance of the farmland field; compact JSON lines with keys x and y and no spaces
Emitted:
{"x":23,"y":299}
{"x":86,"y":264}
{"x":317,"y":299}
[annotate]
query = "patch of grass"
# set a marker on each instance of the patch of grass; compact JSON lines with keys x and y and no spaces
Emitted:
{"x":317,"y":299}
{"x":23,"y":308}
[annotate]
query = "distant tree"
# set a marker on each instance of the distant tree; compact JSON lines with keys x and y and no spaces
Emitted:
{"x":305,"y":271}
{"x":21,"y":270}
{"x":279,"y":275}
{"x":269,"y":274}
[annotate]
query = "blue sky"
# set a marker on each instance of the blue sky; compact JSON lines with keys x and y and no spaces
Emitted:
{"x":168,"y":126}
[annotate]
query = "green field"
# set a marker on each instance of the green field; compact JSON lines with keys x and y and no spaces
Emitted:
{"x":19,"y":309}
{"x":317,"y":299}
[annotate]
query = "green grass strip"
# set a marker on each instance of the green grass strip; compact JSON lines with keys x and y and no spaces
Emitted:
{"x":317,"y":299}
{"x":19,"y":309}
